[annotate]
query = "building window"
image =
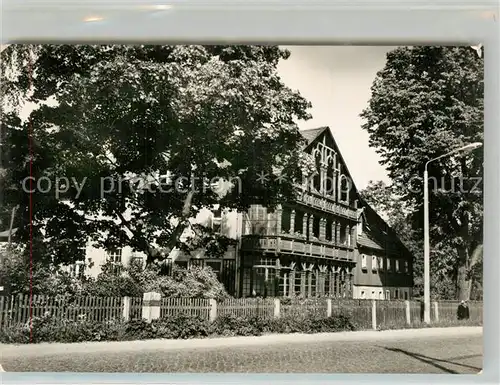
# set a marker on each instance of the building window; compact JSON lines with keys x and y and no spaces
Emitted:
{"x":407,"y":270}
{"x":137,"y":261}
{"x":328,"y":230}
{"x":380,"y":295}
{"x":397,"y":265}
{"x":216,"y":220}
{"x":387,"y":294}
{"x":246,"y":289}
{"x":299,"y":222}
{"x":374,"y":263}
{"x":182,"y":264}
{"x":258,"y":219}
{"x":389,"y":266}
{"x":344,"y":189}
{"x":77,"y":270}
{"x":396,"y":294}
{"x":380,"y":263}
{"x":114,"y":258}
{"x":406,"y":295}
{"x":316,"y":224}
{"x":363,"y":295}
{"x":196,"y":262}
{"x":286,"y":220}
{"x":215,"y":266}
{"x":343,"y":235}
{"x":363,"y":261}
{"x":373,"y":294}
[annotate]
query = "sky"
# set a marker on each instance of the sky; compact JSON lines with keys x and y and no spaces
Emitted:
{"x":337,"y":81}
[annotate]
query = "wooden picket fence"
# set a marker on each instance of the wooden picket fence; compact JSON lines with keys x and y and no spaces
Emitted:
{"x":19,"y":309}
{"x":245,"y":307}
{"x":135,"y":308}
{"x":197,"y":307}
{"x":447,"y":310}
{"x":366,"y":314}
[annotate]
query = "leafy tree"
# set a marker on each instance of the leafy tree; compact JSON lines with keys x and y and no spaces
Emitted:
{"x":143,"y":133}
{"x":425,"y":102}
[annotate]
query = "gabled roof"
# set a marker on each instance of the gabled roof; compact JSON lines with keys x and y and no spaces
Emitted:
{"x":377,"y":234}
{"x":312,"y":133}
{"x":365,"y":241}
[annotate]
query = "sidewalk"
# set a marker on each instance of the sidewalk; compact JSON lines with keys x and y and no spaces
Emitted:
{"x":162,"y":344}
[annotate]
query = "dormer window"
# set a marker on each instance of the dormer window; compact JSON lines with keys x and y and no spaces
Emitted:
{"x":363,"y":261}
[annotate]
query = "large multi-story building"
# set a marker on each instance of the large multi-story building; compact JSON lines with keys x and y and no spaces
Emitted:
{"x":328,"y":241}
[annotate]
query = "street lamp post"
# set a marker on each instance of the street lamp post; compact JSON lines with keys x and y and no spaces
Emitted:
{"x":427,"y":288}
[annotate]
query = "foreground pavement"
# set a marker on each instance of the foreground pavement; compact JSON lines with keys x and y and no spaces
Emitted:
{"x":447,"y":350}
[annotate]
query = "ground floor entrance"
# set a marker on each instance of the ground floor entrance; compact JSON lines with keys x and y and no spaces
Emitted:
{"x":284,"y":275}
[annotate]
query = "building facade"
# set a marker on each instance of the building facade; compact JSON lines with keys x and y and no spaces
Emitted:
{"x":328,"y":241}
{"x":384,"y":267}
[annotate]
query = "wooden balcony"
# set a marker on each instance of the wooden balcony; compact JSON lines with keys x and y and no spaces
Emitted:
{"x":289,"y":244}
{"x":326,"y":204}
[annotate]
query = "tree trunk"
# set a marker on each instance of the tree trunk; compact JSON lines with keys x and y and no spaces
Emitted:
{"x":152,"y":255}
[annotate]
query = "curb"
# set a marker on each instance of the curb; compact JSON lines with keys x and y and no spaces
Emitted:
{"x":228,"y":342}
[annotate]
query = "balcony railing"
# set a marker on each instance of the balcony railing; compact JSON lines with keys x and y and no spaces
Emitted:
{"x":289,"y":244}
{"x":324,"y":203}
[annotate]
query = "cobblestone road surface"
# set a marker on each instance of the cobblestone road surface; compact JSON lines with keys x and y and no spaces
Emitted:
{"x":425,"y":352}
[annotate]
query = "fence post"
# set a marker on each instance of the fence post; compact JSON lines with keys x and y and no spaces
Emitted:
{"x":407,"y":311}
{"x":151,"y":306}
{"x":277,"y":308}
{"x":436,"y":311}
{"x":374,"y":314}
{"x":213,"y":310}
{"x":126,"y":308}
{"x":328,"y":307}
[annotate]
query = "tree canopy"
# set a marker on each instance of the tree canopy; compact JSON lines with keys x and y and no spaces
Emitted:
{"x":425,"y":102}
{"x":136,"y":138}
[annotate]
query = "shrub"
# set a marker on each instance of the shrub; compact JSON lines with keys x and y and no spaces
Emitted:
{"x":181,"y":327}
{"x":48,"y":329}
{"x":232,"y":325}
{"x":195,"y":282}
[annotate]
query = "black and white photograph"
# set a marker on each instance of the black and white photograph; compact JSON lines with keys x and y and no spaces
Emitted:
{"x":241,"y":208}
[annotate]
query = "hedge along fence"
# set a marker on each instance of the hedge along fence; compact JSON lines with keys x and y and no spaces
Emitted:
{"x":365,"y":314}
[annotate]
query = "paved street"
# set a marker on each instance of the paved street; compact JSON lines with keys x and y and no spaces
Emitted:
{"x":450,"y":350}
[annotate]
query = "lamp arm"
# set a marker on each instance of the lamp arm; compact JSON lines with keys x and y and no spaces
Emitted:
{"x":442,"y":156}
